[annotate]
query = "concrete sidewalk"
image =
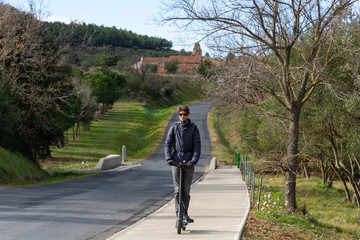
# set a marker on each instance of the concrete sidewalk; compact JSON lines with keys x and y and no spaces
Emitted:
{"x":219,"y":205}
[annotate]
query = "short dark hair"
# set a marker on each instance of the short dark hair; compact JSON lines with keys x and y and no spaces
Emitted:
{"x":183,"y":108}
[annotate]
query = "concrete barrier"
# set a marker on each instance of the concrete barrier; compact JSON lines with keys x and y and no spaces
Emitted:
{"x":109,"y":162}
{"x":213,"y":164}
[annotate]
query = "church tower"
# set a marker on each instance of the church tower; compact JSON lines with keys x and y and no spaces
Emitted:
{"x":197,"y":50}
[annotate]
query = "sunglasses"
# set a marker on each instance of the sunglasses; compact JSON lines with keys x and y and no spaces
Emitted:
{"x":183,"y":114}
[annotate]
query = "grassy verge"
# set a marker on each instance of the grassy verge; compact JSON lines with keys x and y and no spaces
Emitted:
{"x":131,"y":124}
{"x":321,"y":213}
{"x":220,"y":147}
{"x":17,"y":170}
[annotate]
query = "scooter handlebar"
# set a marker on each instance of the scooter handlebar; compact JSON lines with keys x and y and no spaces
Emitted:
{"x":176,"y":164}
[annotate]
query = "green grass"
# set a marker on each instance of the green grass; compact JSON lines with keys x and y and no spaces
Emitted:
{"x":321,"y":211}
{"x":326,"y":206}
{"x":17,"y":170}
{"x":15,"y":167}
{"x":321,"y":214}
{"x":131,"y":124}
{"x":220,"y":147}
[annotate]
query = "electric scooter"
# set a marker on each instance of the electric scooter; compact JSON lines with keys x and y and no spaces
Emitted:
{"x":181,"y":221}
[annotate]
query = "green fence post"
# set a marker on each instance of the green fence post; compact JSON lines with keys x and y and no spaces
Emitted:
{"x":238,"y":160}
{"x":252,"y":188}
{"x":245,"y":174}
{"x":258,"y":203}
{"x":243,"y":168}
{"x":250,"y":169}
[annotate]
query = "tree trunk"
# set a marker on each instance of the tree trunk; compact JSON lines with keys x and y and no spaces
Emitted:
{"x":291,"y":162}
{"x":305,"y":168}
{"x":73,"y":132}
{"x":341,"y":177}
{"x":356,"y":193}
{"x":324,"y":172}
{"x":48,"y":151}
{"x":347,"y":192}
{"x":356,"y":197}
{"x":103,"y":108}
{"x":330,"y":181}
{"x":77,"y":128}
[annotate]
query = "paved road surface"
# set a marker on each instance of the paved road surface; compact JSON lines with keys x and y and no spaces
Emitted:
{"x":99,"y":206}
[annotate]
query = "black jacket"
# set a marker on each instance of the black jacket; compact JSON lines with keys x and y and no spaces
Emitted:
{"x":185,"y":144}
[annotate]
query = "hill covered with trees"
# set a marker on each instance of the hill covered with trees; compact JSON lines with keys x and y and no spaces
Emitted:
{"x":108,"y":36}
{"x":91,"y":45}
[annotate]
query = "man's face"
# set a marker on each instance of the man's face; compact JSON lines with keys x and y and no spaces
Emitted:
{"x":183,"y":116}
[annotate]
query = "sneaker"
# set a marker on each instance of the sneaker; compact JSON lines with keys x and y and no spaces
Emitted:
{"x":188,"y":219}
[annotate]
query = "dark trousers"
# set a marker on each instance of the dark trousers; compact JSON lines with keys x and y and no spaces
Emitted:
{"x":187,"y":180}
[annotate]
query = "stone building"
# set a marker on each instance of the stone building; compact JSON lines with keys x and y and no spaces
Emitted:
{"x":187,"y":64}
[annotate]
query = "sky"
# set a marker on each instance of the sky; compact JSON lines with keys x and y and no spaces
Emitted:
{"x":132,"y":15}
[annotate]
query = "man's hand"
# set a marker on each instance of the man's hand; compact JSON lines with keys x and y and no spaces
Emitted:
{"x":190,"y":163}
{"x":171,"y":162}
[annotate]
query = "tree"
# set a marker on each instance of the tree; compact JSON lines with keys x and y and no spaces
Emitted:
{"x":9,"y":114}
{"x":106,"y":86}
{"x":285,"y":47}
{"x":204,"y":68}
{"x":39,"y":89}
{"x":335,"y":118}
{"x":86,"y":99}
{"x":171,"y":66}
{"x":146,"y":71}
{"x":108,"y":36}
{"x":142,"y":70}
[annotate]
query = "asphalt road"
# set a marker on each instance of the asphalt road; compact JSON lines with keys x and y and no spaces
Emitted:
{"x":96,"y":207}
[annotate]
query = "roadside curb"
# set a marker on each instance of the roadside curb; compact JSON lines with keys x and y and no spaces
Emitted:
{"x":243,"y":220}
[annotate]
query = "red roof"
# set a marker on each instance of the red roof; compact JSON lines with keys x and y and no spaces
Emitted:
{"x":153,"y":60}
{"x":186,"y":59}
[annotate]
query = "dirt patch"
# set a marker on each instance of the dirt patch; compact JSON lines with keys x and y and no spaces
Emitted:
{"x":257,"y":228}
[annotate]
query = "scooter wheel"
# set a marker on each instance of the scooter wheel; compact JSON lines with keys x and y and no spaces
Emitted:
{"x":178,"y":226}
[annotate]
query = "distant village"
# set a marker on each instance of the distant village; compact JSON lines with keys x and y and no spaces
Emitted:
{"x":187,"y":64}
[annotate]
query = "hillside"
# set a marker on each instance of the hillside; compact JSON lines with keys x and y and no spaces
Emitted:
{"x":15,"y":167}
{"x":106,"y":36}
{"x":92,"y":45}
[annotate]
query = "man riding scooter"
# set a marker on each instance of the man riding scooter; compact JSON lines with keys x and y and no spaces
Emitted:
{"x":183,"y":146}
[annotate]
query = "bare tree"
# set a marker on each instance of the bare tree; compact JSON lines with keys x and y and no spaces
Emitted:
{"x":41,"y":89}
{"x":286,"y":47}
{"x":139,"y":68}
